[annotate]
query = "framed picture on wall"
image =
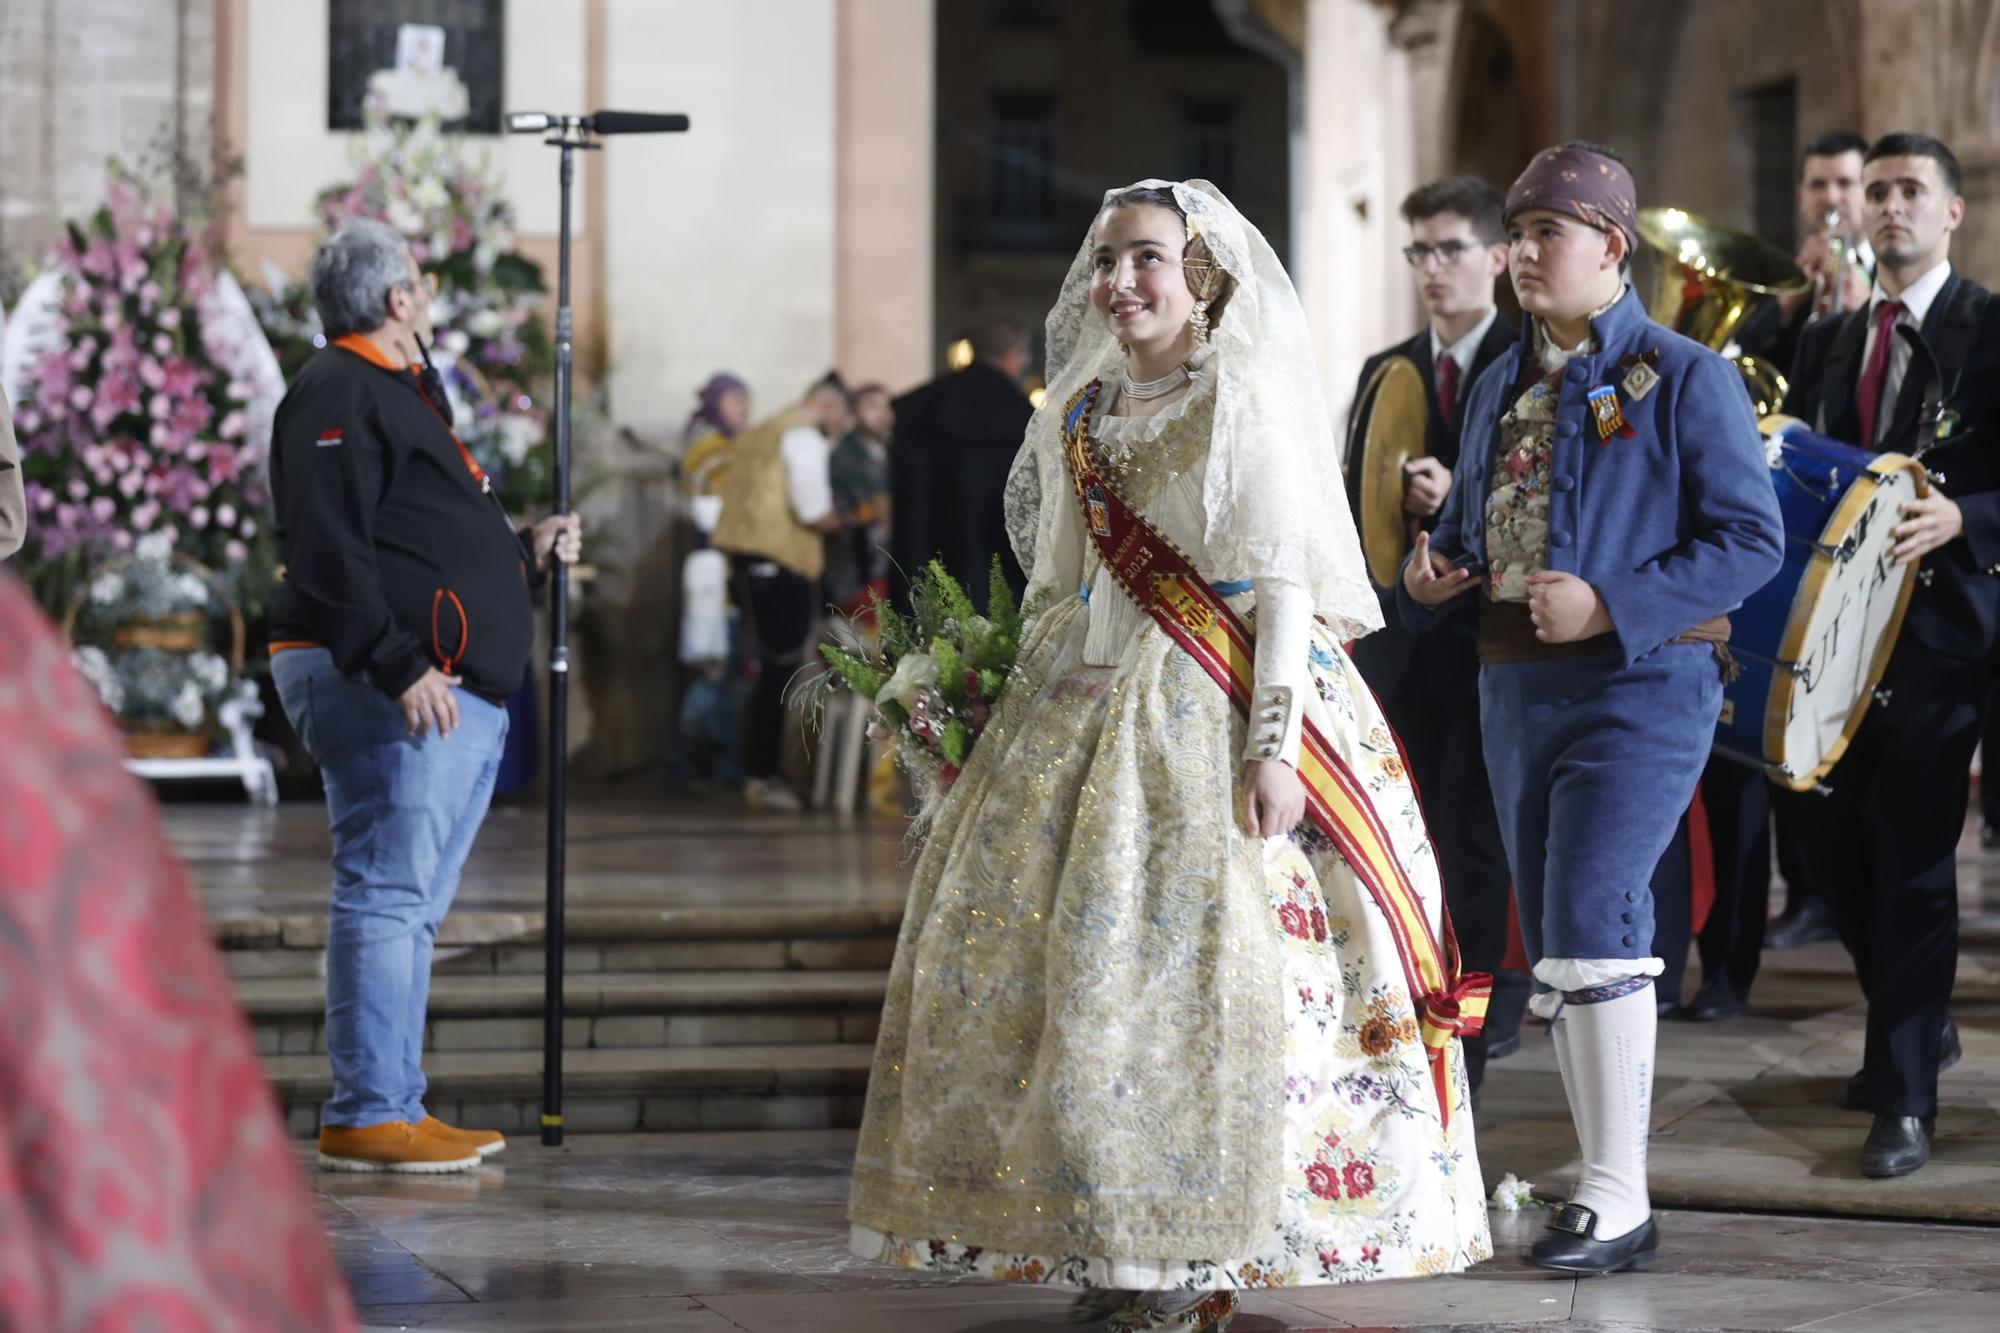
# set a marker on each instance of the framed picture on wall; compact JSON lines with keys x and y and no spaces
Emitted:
{"x":416,"y":57}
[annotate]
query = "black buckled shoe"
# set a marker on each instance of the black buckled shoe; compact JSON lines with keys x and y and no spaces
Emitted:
{"x":1896,"y":1146}
{"x":1571,"y":1245}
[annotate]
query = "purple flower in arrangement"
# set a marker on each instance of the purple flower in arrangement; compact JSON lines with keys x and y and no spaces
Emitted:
{"x":183,"y":377}
{"x":236,"y":551}
{"x":53,"y":379}
{"x":170,"y":318}
{"x":117,"y":395}
{"x":80,"y":397}
{"x":190,"y":415}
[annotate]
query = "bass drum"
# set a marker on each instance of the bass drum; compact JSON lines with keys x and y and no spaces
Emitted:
{"x":1391,"y":421}
{"x":1813,"y":643}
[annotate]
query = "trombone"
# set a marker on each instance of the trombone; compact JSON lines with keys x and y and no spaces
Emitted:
{"x":1842,"y":257}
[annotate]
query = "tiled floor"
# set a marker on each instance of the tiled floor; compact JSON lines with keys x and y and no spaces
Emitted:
{"x":746,"y":1233}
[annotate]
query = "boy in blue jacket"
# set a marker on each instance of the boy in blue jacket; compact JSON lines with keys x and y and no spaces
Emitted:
{"x":1611,"y":505}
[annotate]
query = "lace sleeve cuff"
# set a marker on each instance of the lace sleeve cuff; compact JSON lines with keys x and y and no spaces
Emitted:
{"x":1283,"y":680}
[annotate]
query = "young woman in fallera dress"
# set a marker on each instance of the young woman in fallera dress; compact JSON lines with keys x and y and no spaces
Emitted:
{"x":1148,"y":1033}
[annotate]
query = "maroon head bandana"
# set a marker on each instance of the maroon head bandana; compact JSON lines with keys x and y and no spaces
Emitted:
{"x":1579,"y":183}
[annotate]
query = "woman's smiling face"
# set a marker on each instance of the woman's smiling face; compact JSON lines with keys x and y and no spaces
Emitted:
{"x":1138,"y":286}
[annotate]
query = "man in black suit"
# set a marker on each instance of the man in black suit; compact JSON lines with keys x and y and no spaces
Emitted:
{"x":1883,"y":846}
{"x":956,"y":437}
{"x":1429,"y":685}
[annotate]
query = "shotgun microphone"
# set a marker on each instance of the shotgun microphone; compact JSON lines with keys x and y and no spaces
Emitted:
{"x":603,"y":122}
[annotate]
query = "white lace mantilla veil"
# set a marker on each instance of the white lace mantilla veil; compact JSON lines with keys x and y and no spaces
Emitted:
{"x":1276,"y":508}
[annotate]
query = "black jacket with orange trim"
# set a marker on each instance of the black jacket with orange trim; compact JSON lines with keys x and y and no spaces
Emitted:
{"x":397,"y":554}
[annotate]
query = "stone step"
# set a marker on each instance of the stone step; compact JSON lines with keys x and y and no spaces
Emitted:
{"x":776,"y":938}
{"x":812,"y":1086}
{"x":602,"y":1010}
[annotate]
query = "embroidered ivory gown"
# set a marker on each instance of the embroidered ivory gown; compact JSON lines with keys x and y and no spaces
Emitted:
{"x":1125,"y":1043}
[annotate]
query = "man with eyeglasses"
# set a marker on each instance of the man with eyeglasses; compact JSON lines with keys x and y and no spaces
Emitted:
{"x":1429,"y":686}
{"x":401,"y":627}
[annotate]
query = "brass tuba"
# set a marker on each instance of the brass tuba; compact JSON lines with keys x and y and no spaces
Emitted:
{"x":1706,"y":281}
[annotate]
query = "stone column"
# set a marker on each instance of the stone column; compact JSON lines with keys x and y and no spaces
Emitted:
{"x":1362,"y":128}
{"x":82,"y":81}
{"x":885,"y":191}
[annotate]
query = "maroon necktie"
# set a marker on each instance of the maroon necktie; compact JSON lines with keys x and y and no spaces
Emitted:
{"x":1876,"y":373}
{"x":1447,"y":372}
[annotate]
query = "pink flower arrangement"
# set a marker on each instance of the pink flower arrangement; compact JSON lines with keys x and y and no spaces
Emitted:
{"x":118,"y":420}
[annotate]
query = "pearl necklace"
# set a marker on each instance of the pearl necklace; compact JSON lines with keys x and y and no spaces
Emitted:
{"x":1142,"y":390}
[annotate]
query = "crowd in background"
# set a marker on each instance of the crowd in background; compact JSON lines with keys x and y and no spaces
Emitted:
{"x":801,"y":518}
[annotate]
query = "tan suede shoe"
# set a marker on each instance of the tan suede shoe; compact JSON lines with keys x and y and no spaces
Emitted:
{"x":397,"y":1146}
{"x":487,"y":1141}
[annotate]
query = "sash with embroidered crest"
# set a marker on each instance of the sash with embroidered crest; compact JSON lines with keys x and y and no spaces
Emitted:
{"x":1164,"y":583}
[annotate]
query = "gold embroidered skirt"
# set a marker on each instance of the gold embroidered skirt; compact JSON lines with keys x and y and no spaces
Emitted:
{"x":1127,"y":1045}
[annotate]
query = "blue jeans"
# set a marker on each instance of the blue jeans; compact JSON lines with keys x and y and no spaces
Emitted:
{"x":403,"y":811}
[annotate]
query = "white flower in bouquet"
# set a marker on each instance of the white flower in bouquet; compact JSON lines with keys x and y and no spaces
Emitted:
{"x":403,"y":217}
{"x":106,"y":589}
{"x":518,"y":434}
{"x":209,"y":670}
{"x":1513,"y":1194}
{"x":429,"y":192}
{"x":192,"y":590}
{"x":188,"y":708}
{"x":486,"y":324}
{"x":916,"y":675}
{"x":154,"y":546}
{"x":96,"y":668}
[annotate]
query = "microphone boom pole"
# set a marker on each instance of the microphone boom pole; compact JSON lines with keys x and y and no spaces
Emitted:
{"x":569,"y":133}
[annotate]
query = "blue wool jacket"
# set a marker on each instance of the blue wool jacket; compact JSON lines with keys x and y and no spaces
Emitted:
{"x":1673,"y":525}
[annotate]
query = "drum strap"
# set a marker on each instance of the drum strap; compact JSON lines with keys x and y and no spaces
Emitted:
{"x":1163,"y":582}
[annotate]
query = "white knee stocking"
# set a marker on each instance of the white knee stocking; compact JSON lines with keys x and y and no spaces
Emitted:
{"x":1606,"y":1048}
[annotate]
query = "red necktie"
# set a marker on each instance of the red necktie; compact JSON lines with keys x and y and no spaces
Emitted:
{"x":1875,"y":374}
{"x":1447,"y":372}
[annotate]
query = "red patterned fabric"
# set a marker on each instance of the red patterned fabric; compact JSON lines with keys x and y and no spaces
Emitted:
{"x":145,"y":1178}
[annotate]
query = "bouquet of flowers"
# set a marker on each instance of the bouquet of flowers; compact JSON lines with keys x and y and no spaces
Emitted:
{"x":492,"y":347}
{"x":144,"y":402}
{"x":935,"y":675}
{"x":145,"y":635}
